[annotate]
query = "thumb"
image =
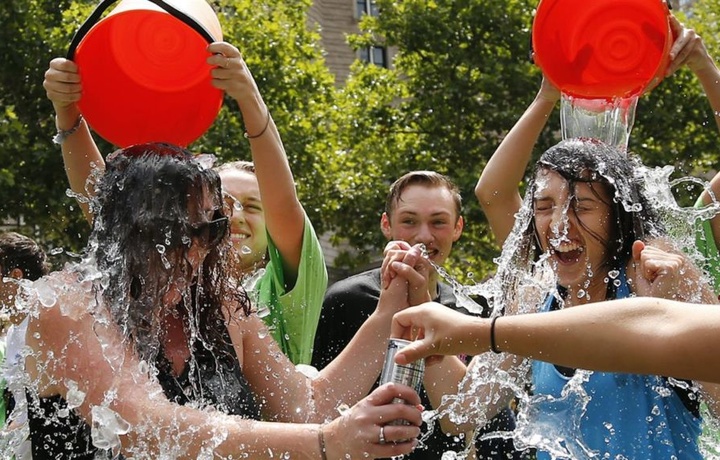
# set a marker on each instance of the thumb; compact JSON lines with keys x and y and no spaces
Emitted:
{"x":637,"y":249}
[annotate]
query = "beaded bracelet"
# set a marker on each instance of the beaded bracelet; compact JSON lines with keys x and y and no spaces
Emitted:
{"x":63,"y":134}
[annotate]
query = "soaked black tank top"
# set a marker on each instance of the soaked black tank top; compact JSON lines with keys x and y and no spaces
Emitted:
{"x":214,"y":379}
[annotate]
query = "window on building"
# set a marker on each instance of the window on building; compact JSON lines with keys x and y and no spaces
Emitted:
{"x":365,"y":7}
{"x":374,"y":55}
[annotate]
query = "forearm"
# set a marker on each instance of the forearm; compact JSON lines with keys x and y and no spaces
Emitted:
{"x":187,"y":433}
{"x":350,"y":376}
{"x":284,"y":215}
{"x":80,"y":155}
{"x":497,"y":189}
{"x":645,"y":336}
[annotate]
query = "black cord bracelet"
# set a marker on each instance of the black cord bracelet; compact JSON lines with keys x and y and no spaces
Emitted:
{"x":267,"y":123}
{"x":493,"y":345}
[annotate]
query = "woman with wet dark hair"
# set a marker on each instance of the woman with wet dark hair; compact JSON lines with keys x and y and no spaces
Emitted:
{"x":588,"y":221}
{"x":145,"y":349}
{"x":614,"y":179}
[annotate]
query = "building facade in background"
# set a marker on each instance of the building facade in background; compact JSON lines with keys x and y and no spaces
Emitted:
{"x":336,"y":19}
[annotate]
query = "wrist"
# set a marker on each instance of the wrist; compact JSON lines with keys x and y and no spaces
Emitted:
{"x":63,"y":134}
{"x":493,"y":335}
{"x":66,"y":116}
{"x":321,"y":442}
{"x":547,"y":98}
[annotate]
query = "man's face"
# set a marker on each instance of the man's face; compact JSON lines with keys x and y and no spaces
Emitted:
{"x":425,"y":215}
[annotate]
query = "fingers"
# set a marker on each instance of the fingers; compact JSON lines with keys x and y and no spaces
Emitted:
{"x":657,"y":271}
{"x":221,"y":50}
{"x":687,"y":49}
{"x":62,"y":82}
{"x":385,"y":394}
{"x":549,"y":91}
{"x":379,"y":426}
{"x":416,"y":350}
{"x":394,"y":250}
{"x":417,"y":282}
{"x":230,"y":72}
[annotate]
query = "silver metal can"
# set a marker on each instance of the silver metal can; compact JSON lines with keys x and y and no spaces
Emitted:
{"x":410,"y":374}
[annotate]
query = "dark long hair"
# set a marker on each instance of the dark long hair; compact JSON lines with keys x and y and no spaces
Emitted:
{"x":141,"y":235}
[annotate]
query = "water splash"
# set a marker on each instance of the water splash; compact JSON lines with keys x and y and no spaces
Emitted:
{"x":520,"y":286}
{"x":610,"y":121}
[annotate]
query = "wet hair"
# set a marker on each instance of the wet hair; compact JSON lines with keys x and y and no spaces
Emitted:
{"x":430,"y":179}
{"x":141,"y":235}
{"x":20,"y":251}
{"x":632,"y":216}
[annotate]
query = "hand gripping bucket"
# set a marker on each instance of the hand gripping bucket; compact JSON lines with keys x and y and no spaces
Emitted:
{"x":144,"y":72}
{"x":602,"y":48}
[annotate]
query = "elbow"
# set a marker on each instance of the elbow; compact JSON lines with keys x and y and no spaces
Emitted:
{"x":482,"y":195}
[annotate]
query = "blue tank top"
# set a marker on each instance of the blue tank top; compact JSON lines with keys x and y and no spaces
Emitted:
{"x":627,"y":415}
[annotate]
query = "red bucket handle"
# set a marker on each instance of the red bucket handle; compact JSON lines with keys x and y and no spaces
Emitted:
{"x":105,"y":4}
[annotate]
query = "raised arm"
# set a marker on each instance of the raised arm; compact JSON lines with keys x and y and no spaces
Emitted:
{"x":80,"y":154}
{"x":347,"y":379}
{"x":689,"y":49}
{"x":497,"y":189}
{"x":284,"y":215}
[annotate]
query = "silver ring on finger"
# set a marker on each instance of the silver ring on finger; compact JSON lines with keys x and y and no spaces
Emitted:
{"x":382,"y":435}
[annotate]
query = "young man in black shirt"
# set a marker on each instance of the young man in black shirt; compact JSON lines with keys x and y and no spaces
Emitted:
{"x":421,"y":207}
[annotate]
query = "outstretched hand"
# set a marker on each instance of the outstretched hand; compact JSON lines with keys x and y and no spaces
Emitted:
{"x":437,"y":331}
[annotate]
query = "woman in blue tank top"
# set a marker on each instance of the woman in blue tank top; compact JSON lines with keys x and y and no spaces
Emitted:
{"x":590,"y":216}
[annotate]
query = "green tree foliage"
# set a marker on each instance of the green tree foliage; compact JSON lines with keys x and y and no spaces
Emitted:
{"x":462,"y":77}
{"x":32,"y":180}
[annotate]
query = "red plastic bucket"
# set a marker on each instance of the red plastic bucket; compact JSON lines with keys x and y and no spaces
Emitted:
{"x":144,"y":73}
{"x":602,"y":48}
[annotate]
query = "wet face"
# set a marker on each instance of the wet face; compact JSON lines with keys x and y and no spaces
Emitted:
{"x":425,"y":215}
{"x":208,"y":226}
{"x":574,"y":227}
{"x":247,"y":222}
